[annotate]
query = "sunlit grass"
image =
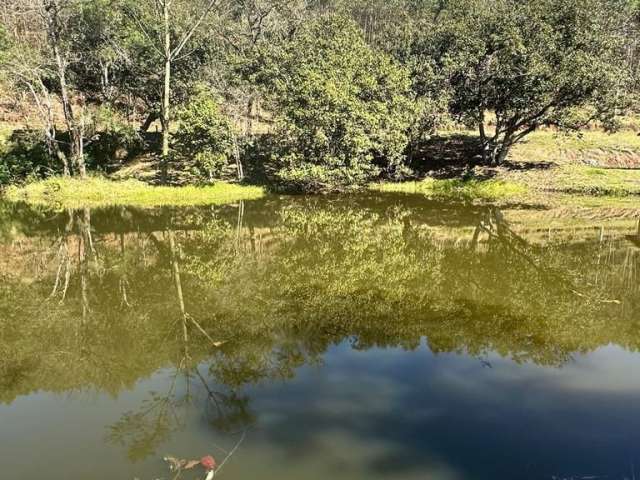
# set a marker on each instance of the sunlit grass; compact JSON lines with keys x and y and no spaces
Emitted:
{"x":592,"y":163}
{"x":595,"y":146}
{"x":629,"y":202}
{"x":471,"y":189}
{"x":579,"y":179}
{"x":96,"y":191}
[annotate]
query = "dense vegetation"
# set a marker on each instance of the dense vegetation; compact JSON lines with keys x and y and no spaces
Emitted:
{"x":304,"y":95}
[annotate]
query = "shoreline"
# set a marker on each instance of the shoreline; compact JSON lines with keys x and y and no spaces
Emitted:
{"x":549,"y":166}
{"x":58,"y":192}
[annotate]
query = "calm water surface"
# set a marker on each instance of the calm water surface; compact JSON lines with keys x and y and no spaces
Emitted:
{"x":374,"y":336}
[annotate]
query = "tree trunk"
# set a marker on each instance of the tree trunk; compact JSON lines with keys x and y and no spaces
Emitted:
{"x":236,"y":155}
{"x":483,"y":140}
{"x":50,"y":132}
{"x":502,"y":154}
{"x":75,"y":133}
{"x":152,"y":117}
{"x":165,"y":109}
{"x":249,"y":123}
{"x":166,"y":99}
{"x":502,"y":148}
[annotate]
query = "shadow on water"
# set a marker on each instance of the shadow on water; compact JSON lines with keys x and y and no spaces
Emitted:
{"x":281,"y":316}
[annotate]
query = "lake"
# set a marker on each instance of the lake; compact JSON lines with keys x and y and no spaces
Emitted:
{"x":358,"y":336}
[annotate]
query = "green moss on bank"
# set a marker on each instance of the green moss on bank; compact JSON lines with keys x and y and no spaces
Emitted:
{"x":472,"y":189}
{"x":96,"y":192}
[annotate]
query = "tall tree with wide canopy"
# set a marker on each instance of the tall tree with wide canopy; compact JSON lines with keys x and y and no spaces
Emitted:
{"x":531,"y":63}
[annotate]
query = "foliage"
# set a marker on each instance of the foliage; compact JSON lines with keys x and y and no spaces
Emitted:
{"x":531,"y":63}
{"x":113,"y":139}
{"x":343,"y":109}
{"x":205,"y":138}
{"x":24,"y":156}
{"x":347,"y":91}
{"x":120,"y":41}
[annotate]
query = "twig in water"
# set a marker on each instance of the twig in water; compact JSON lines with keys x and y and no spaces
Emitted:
{"x":233,"y":450}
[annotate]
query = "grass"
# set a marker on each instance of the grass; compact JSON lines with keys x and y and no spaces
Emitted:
{"x":629,"y":202}
{"x":594,"y":163}
{"x":98,"y":192}
{"x":579,"y":179}
{"x":596,"y":181}
{"x":593,"y":147}
{"x":458,"y":188}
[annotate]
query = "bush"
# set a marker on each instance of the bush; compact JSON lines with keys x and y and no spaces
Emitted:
{"x":204,"y":140}
{"x":23,"y":156}
{"x":343,"y":110}
{"x":113,"y":140}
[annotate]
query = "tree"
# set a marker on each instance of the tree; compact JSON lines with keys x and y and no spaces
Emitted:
{"x":24,"y":70}
{"x":343,"y":109}
{"x":532,"y":63}
{"x":168,"y":26}
{"x":54,"y":13}
{"x":39,"y":61}
{"x":206,"y":137}
{"x":253,"y":31}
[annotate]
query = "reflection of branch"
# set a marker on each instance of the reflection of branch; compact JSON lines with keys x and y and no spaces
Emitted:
{"x":210,"y":393}
{"x":67,"y":279}
{"x":204,"y":332}
{"x":62,"y":253}
{"x":151,"y":425}
{"x":175,"y":266}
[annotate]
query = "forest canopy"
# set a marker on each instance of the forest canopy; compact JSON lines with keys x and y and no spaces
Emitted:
{"x":308,"y":95}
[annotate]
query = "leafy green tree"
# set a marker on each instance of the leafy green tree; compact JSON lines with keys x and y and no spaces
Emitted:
{"x":253,"y":32}
{"x":205,"y":137}
{"x":343,"y":109}
{"x":531,"y":63}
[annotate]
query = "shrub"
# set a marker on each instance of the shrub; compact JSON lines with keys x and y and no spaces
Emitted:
{"x":205,"y":139}
{"x":113,"y":140}
{"x":343,"y":110}
{"x":23,"y":156}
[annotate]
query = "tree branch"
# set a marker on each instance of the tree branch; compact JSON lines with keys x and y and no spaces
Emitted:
{"x":192,"y":31}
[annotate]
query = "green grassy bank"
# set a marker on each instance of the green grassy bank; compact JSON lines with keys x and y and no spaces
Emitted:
{"x":97,"y":192}
{"x":455,"y":188}
{"x":594,"y":168}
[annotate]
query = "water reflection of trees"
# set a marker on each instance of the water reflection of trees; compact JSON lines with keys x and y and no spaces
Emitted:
{"x":226,"y":299}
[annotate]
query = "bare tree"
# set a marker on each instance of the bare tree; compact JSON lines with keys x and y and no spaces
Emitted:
{"x":24,"y":73}
{"x":51,"y":12}
{"x":38,"y":29}
{"x":170,"y":50}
